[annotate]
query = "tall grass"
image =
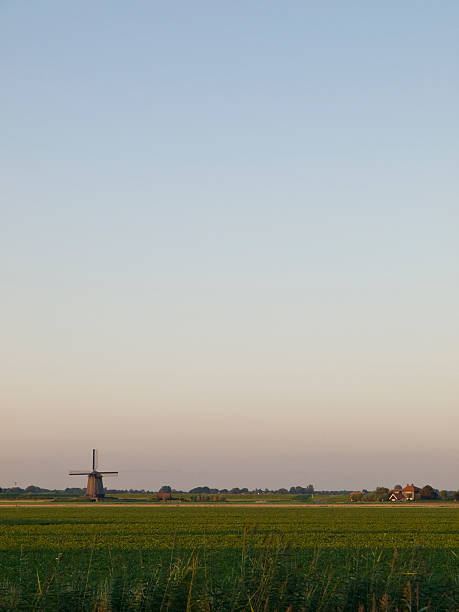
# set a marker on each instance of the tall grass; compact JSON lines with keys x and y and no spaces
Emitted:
{"x":255,"y":577}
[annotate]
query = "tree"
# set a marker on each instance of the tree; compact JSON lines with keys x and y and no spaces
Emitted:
{"x":381,"y":494}
{"x":298,"y":490}
{"x":444,"y":494}
{"x":165,"y":489}
{"x":369,"y":497}
{"x":199,"y":490}
{"x":456,"y":496}
{"x":398,"y":487}
{"x":428,"y":492}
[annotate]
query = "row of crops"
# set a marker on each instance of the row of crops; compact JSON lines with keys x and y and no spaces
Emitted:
{"x":223,"y":558}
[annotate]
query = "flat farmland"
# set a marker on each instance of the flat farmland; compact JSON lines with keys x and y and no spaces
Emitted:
{"x":229,"y":558}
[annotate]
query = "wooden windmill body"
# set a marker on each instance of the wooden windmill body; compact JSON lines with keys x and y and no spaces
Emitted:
{"x":95,"y":489}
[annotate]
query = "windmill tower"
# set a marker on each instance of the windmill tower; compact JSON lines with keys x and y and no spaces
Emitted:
{"x":95,"y":488}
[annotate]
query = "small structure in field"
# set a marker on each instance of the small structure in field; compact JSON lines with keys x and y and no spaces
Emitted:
{"x":165,"y":493}
{"x":408,"y":493}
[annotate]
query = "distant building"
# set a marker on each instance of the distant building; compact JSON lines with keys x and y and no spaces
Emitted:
{"x":164,"y":496}
{"x":408,"y":493}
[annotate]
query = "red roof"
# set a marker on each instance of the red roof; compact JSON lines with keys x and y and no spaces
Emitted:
{"x":411,"y":489}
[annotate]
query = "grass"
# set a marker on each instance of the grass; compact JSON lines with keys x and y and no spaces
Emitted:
{"x":227,"y":558}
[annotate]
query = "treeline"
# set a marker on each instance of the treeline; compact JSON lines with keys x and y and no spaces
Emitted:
{"x":382,"y":494}
{"x":204,"y":490}
{"x":34,"y":490}
{"x":205,"y":493}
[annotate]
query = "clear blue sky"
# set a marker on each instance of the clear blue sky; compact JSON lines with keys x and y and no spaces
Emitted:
{"x":229,"y":242}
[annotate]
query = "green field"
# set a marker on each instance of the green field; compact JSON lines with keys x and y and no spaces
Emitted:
{"x":227,"y":558}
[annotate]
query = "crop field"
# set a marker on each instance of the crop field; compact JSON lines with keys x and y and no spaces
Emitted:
{"x":227,"y":558}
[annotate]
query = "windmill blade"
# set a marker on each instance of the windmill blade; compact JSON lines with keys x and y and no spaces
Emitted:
{"x":108,"y":473}
{"x":96,"y":459}
{"x":76,"y":473}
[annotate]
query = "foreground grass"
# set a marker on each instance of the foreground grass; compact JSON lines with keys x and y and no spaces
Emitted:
{"x":228,"y":559}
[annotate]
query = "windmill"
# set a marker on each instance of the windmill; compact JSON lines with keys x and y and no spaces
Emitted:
{"x":95,"y":488}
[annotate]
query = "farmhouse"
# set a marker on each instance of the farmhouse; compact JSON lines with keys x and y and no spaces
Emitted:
{"x":408,"y":493}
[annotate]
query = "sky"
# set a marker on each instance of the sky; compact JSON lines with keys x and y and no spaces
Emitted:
{"x":228,"y":243}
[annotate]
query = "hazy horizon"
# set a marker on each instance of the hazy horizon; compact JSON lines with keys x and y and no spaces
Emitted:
{"x":229,"y":243}
{"x":259,"y":474}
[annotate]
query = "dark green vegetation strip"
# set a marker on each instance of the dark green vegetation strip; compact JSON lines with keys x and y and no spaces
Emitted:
{"x":229,"y":558}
